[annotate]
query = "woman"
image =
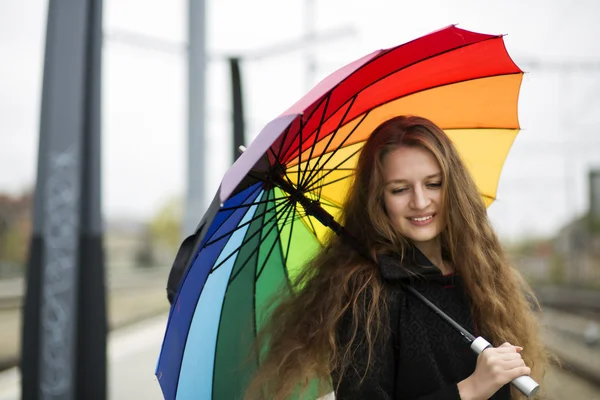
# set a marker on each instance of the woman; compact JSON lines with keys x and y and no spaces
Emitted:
{"x":417,"y":211}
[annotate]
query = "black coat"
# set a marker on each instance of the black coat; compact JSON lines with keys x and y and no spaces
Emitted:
{"x":423,"y":358}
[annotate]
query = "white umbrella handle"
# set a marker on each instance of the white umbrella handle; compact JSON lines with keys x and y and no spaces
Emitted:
{"x":525,"y":383}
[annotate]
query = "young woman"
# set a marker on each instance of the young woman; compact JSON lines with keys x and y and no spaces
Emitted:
{"x":417,"y":211}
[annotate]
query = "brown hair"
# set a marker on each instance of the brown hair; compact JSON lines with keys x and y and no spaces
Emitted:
{"x":300,"y":336}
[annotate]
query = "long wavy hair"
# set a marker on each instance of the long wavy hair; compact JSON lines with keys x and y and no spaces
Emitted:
{"x":299,"y":341}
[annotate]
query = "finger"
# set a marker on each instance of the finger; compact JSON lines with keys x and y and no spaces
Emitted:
{"x":510,"y":356}
{"x":512,"y":364}
{"x":506,"y":349}
{"x":507,"y":344}
{"x":519,"y":371}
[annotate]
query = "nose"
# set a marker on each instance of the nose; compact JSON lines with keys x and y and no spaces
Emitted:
{"x":419,"y":200}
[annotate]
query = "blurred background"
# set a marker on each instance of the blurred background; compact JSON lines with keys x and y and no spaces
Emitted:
{"x":548,"y":205}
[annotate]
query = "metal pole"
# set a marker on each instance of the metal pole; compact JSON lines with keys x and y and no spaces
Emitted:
{"x":237,"y":107}
{"x":309,"y":27}
{"x":92,"y":324}
{"x":58,"y":360}
{"x":196,"y":148}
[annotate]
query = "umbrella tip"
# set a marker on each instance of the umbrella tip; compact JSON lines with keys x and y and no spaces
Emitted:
{"x":242,"y":148}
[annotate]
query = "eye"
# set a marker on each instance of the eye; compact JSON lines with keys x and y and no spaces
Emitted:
{"x":435,"y":185}
{"x":399,"y":190}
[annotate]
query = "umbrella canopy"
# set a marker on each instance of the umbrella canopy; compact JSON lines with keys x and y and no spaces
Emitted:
{"x":277,"y":201}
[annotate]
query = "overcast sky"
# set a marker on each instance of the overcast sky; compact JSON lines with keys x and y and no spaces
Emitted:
{"x":544,"y":182}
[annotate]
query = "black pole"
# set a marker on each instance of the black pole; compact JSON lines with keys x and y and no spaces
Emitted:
{"x":92,"y":325}
{"x":63,"y":353}
{"x":237,"y":107}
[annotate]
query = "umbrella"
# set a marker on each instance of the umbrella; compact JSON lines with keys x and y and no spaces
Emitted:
{"x":276,"y":203}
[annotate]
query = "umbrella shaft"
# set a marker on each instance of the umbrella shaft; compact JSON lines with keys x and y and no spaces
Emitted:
{"x":467,"y":336}
{"x":311,"y":207}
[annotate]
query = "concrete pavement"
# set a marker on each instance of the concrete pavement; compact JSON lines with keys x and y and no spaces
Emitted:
{"x":132,"y":355}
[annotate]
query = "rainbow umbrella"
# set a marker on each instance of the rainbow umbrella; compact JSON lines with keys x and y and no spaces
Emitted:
{"x":277,"y":201}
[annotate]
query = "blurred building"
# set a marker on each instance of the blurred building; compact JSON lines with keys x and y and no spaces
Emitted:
{"x":130,"y":244}
{"x":15,"y":233}
{"x":578,"y":243}
{"x":123,"y":240}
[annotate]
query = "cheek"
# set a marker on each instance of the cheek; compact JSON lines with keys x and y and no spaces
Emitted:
{"x":394,"y":207}
{"x":439,"y":201}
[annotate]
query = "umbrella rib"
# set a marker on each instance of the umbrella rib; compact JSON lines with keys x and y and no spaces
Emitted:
{"x":275,"y":156}
{"x":331,"y":137}
{"x":283,"y":139}
{"x":325,"y":169}
{"x":253,"y":204}
{"x":234,"y":276}
{"x":317,"y":105}
{"x":244,"y":242}
{"x":206,"y":240}
{"x":255,"y":250}
{"x":300,"y":133}
{"x":317,"y":187}
{"x":330,"y":203}
{"x":198,"y":299}
{"x":333,"y":169}
{"x":365,"y":114}
{"x":237,"y":273}
{"x":312,"y":227}
{"x":213,"y":241}
{"x":331,"y":154}
{"x":275,"y":242}
{"x":287,"y":251}
{"x":234,"y":251}
{"x":262,"y":268}
{"x":316,"y":135}
{"x":231,"y":279}
{"x":289,"y":215}
{"x":258,"y":187}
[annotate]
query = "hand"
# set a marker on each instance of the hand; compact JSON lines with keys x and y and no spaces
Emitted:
{"x":496,"y":366}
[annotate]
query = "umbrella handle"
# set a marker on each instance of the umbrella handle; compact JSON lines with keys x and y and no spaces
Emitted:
{"x":525,"y":383}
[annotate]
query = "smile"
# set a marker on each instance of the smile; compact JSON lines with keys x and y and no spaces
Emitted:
{"x":420,"y":221}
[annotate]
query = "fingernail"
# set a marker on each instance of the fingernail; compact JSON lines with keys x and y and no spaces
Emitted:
{"x":519,"y":348}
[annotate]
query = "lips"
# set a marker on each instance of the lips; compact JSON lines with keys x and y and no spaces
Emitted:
{"x":424,"y":217}
{"x":420,"y":220}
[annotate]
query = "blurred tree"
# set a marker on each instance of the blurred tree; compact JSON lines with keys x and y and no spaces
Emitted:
{"x":557,"y":269}
{"x":533,"y":246}
{"x":145,"y":257}
{"x":165,"y":227}
{"x":162,"y":236}
{"x":15,"y":232}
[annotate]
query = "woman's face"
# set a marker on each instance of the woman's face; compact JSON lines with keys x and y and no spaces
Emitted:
{"x":413,"y":193}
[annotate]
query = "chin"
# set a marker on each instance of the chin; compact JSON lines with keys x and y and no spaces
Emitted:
{"x":422,"y":236}
{"x":422,"y":239}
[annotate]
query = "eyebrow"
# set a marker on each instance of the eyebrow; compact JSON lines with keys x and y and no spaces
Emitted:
{"x":436,"y":175}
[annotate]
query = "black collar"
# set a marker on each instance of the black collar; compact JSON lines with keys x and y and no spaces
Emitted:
{"x":413,"y":265}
